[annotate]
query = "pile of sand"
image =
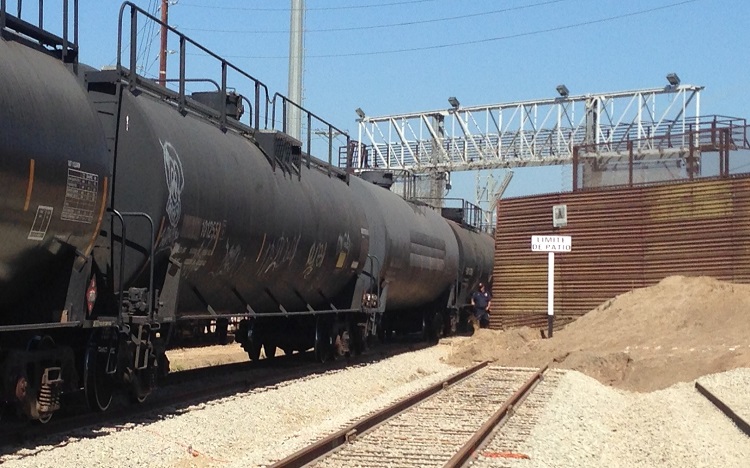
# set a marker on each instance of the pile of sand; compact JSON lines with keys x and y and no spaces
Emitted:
{"x":643,"y":340}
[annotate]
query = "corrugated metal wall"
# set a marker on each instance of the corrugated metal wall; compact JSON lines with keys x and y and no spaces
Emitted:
{"x":623,"y":238}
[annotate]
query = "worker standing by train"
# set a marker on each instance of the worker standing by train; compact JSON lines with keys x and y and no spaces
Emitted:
{"x":481,"y":300}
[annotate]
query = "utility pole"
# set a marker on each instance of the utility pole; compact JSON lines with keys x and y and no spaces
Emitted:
{"x":296,"y":51}
{"x":163,"y":48}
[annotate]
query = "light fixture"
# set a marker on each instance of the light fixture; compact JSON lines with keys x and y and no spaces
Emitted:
{"x":360,"y":112}
{"x":563,"y":90}
{"x":454,"y":102}
{"x":673,"y":79}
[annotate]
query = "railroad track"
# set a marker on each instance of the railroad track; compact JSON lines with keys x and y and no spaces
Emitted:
{"x":183,"y":389}
{"x":440,"y":426}
{"x":510,"y":440}
{"x":733,"y":414}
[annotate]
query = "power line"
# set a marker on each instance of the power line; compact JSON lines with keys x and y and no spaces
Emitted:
{"x":381,"y":26}
{"x":353,"y":7}
{"x":478,"y":41}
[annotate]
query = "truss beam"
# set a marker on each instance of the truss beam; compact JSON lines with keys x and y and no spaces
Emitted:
{"x":531,"y":133}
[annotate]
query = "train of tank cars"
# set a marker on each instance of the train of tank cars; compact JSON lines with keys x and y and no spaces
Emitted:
{"x":133,"y":211}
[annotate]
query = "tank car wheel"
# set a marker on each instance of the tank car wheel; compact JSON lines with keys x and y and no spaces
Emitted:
{"x":270,"y":350}
{"x":140,"y":387}
{"x":222,"y":331}
{"x":98,"y":385}
{"x":323,"y":346}
{"x":432,"y":323}
{"x":359,"y":344}
{"x":250,"y":339}
{"x":385,"y":331}
{"x":253,"y":349}
{"x":138,"y":398}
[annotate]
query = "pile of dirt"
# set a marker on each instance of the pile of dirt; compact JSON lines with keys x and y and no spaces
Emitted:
{"x":643,"y":340}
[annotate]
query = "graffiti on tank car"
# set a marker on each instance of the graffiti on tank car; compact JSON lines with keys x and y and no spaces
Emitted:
{"x":315,"y":258}
{"x":175,"y":182}
{"x":168,"y":237}
{"x":232,"y":260}
{"x":277,"y":252}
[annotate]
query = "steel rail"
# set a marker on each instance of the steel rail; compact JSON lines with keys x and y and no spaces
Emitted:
{"x":468,"y":449}
{"x":245,"y":375}
{"x":328,"y":444}
{"x":743,"y":425}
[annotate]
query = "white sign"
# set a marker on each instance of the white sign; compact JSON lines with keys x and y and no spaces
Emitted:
{"x":551,"y":243}
{"x":559,"y":215}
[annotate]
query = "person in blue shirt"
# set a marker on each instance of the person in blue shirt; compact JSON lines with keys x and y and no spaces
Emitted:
{"x":481,"y":301}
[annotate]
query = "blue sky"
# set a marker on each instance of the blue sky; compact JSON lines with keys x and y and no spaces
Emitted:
{"x":395,"y":56}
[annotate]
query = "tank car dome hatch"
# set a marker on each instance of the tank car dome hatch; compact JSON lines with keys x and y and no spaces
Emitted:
{"x":380,"y":178}
{"x":232,"y":102}
{"x":453,"y":214}
{"x":281,"y":146}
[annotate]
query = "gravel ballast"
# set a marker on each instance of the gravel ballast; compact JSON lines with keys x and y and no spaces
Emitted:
{"x":585,"y":423}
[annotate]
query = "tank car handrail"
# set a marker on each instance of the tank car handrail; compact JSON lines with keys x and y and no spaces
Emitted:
{"x":310,"y":115}
{"x":268,"y":107}
{"x":132,"y":75}
{"x":37,"y":31}
{"x":196,"y":80}
{"x":151,"y":295}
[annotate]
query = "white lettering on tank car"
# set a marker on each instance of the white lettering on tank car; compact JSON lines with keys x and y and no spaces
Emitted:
{"x":81,"y":195}
{"x":175,"y":182}
{"x":41,"y":223}
{"x":209,"y":233}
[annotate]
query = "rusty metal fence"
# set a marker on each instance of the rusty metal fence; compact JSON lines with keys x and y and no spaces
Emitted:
{"x":623,"y":238}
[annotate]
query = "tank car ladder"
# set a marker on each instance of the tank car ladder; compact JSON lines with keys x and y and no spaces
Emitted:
{"x":373,"y":303}
{"x":137,"y":306}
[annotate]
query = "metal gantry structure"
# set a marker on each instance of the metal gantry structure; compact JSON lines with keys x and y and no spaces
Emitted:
{"x":526,"y":133}
{"x":530,"y":133}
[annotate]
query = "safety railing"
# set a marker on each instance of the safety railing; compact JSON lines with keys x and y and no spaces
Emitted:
{"x":714,"y":134}
{"x":33,"y":30}
{"x":267,"y":112}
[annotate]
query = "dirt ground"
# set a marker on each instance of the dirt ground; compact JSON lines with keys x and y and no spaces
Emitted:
{"x":643,"y":340}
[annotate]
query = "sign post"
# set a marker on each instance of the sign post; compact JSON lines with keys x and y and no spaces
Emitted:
{"x":551,"y":244}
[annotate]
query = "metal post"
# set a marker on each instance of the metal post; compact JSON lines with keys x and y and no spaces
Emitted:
{"x":576,"y":150}
{"x":630,"y":163}
{"x":182,"y":72}
{"x":163,"y":46}
{"x":133,"y":46}
{"x":550,"y":292}
{"x":297,"y":22}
